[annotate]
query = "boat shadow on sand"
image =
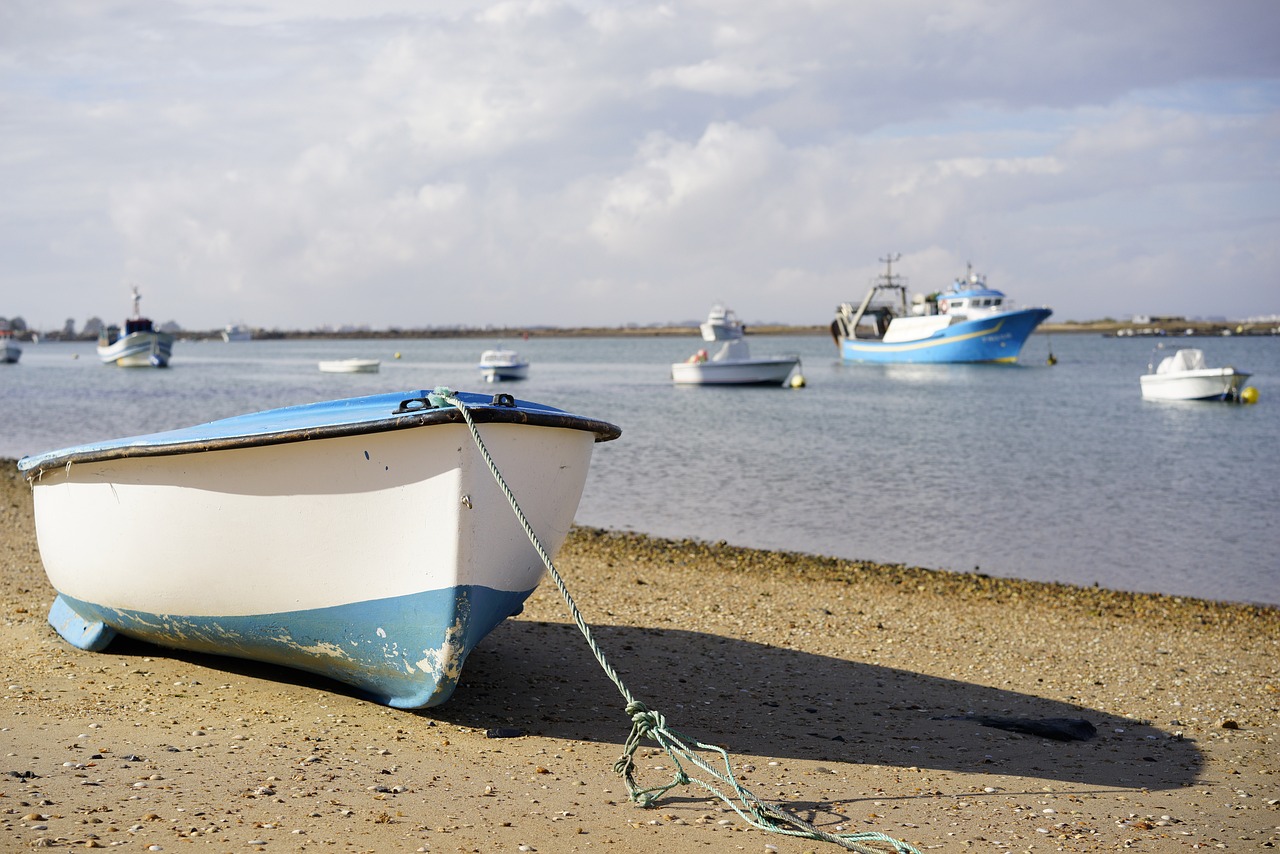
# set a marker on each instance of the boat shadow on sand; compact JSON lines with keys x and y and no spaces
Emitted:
{"x":766,"y":701}
{"x":540,"y":679}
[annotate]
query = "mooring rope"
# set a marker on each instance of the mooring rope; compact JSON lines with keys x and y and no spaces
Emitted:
{"x":647,"y":723}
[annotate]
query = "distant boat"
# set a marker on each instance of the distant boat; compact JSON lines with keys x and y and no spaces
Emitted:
{"x":732,"y":364}
{"x":10,"y":352}
{"x":1183,"y":375}
{"x":351,"y":366}
{"x":236,"y":332}
{"x":362,"y":539}
{"x":141,"y":345}
{"x":968,"y":322}
{"x":502,"y":364}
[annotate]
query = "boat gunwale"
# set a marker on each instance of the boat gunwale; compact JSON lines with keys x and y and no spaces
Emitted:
{"x":35,"y":466}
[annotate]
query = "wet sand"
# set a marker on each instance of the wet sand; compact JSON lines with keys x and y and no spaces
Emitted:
{"x":835,"y":685}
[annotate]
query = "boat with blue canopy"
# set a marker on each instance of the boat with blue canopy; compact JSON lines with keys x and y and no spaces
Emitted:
{"x":968,"y":322}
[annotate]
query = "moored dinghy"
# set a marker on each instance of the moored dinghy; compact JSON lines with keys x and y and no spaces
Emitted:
{"x":10,"y":352}
{"x":350,"y":366}
{"x":1184,"y":375}
{"x":140,"y":345}
{"x":733,"y":363}
{"x":503,"y":364}
{"x":363,"y":539}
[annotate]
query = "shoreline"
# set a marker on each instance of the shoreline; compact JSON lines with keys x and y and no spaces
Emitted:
{"x":1171,"y":327}
{"x":822,"y":568}
{"x":835,"y":685}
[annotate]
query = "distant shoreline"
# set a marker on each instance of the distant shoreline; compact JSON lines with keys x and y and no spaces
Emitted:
{"x":1162,"y":326}
{"x":1097,"y":327}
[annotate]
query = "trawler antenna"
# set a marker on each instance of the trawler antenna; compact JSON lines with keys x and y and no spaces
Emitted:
{"x":888,"y":261}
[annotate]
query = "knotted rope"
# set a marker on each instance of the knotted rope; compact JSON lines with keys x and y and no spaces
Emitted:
{"x":647,"y":723}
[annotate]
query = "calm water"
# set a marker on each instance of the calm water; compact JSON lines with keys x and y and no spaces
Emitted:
{"x":1050,"y":473}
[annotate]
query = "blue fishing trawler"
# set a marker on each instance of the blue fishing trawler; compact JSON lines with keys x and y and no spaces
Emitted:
{"x":968,"y":322}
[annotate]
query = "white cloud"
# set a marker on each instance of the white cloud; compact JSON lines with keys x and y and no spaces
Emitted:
{"x":722,"y":78}
{"x":296,"y":163}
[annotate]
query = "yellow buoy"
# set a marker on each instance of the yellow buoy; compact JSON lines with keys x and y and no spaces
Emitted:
{"x":797,"y":381}
{"x":1249,"y":394}
{"x":397,"y":354}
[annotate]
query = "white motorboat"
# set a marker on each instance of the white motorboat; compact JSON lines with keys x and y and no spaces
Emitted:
{"x":351,"y":366}
{"x":236,"y":332}
{"x":1183,"y":375}
{"x":10,"y":352}
{"x":503,"y":364}
{"x":364,"y":539}
{"x":140,"y":346}
{"x":732,"y":364}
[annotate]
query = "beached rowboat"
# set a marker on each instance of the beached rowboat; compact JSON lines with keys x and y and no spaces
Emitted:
{"x":361,"y":539}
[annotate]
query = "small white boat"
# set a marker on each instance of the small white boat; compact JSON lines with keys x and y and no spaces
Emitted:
{"x":351,"y":366}
{"x":502,"y":364}
{"x":732,"y":364}
{"x":236,"y":332}
{"x":140,"y":346}
{"x":362,"y":539}
{"x":10,"y":352}
{"x":1183,"y":375}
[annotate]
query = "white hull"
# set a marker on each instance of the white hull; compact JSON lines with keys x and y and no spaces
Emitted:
{"x":351,"y":366}
{"x":497,"y":373}
{"x":1208,"y":384}
{"x":139,"y":350}
{"x":746,"y":372}
{"x":502,"y":364}
{"x":308,"y":525}
{"x":361,"y":539}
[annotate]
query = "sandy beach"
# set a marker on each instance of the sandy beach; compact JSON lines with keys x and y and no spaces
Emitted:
{"x":856,"y":696}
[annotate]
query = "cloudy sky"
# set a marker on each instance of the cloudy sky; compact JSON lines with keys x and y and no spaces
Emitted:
{"x":302,"y":163}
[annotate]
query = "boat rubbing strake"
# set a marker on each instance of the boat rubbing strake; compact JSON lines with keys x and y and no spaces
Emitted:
{"x":361,"y":539}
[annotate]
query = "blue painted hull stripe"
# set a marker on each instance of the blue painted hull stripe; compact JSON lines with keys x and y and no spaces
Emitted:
{"x":404,"y":651}
{"x":997,"y":339}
